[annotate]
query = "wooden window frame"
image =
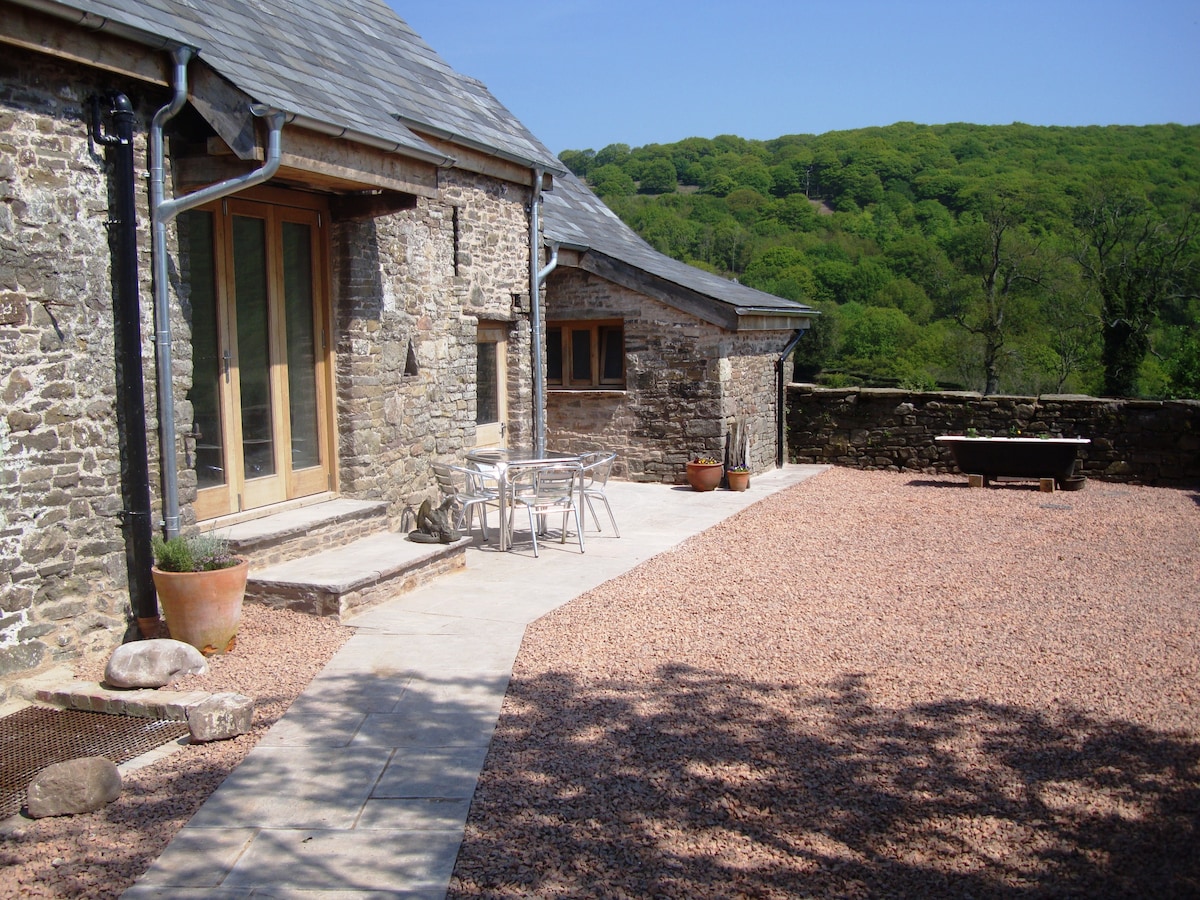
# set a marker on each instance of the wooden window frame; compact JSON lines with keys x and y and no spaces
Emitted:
{"x":566,"y":331}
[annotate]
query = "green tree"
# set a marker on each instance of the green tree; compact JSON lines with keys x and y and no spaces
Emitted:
{"x":1183,"y":367}
{"x":613,"y":154}
{"x":580,"y":162}
{"x":1001,"y":263}
{"x":658,"y":177}
{"x":611,"y":181}
{"x":1136,"y":262}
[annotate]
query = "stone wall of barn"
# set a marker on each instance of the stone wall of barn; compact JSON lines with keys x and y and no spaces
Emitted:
{"x":686,"y":382}
{"x":63,"y":583}
{"x":1154,"y":442}
{"x":425,"y":278}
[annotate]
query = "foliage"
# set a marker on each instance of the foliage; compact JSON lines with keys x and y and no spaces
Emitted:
{"x":193,"y":553}
{"x":997,"y":258}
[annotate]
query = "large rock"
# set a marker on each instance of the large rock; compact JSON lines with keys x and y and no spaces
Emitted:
{"x":152,"y":664}
{"x":73,"y":787}
{"x":221,"y":716}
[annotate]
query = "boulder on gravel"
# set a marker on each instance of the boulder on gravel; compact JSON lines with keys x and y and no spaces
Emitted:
{"x":152,"y":664}
{"x":221,"y":716}
{"x":73,"y":787}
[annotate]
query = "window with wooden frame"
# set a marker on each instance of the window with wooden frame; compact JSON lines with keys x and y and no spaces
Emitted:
{"x":586,"y":355}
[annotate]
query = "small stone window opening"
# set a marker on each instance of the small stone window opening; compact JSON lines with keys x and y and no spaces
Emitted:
{"x":410,"y":361}
{"x":456,"y":226}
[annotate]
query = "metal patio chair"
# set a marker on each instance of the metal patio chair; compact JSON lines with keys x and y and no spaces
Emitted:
{"x":544,"y":490}
{"x":597,"y":466}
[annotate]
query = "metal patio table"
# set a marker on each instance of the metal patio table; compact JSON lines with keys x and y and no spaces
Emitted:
{"x":500,"y":459}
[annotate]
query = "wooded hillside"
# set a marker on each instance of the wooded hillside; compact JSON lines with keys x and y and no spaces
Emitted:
{"x":1008,"y":259}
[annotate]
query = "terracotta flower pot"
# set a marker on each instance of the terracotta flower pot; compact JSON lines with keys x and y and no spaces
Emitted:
{"x":203,"y":609}
{"x":705,"y":476}
{"x":738,"y":481}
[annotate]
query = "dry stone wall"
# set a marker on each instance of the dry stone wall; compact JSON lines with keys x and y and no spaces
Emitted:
{"x":1142,"y":441}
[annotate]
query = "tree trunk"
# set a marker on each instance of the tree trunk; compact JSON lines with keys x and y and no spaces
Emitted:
{"x":1124,"y":349}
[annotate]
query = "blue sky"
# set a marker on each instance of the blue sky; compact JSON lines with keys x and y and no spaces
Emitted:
{"x":584,"y":75}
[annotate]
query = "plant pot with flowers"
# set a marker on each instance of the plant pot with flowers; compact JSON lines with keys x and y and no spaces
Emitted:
{"x":200,"y":587}
{"x":704,"y":473}
{"x":738,"y":477}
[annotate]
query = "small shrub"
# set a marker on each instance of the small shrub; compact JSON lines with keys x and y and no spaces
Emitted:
{"x":194,"y":553}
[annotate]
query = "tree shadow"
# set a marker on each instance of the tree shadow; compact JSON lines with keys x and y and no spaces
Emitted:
{"x":695,"y":783}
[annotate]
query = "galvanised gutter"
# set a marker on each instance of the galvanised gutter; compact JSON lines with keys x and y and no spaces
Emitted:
{"x":163,"y":211}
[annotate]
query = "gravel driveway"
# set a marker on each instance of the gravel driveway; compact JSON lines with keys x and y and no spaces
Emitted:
{"x":868,"y":685}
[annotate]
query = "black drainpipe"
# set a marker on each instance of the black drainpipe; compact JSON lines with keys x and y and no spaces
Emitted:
{"x":780,"y":400}
{"x":127,"y":315}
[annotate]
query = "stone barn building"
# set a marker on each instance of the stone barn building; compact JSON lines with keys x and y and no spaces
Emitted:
{"x":699,"y":352}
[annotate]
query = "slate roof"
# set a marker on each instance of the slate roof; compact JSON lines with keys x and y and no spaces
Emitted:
{"x":349,"y":64}
{"x":578,"y":219}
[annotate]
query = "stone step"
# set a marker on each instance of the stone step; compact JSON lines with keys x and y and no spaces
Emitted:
{"x":350,"y":578}
{"x":301,"y":532}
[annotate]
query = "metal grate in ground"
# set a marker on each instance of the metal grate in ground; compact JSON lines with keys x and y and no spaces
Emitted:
{"x":36,"y":737}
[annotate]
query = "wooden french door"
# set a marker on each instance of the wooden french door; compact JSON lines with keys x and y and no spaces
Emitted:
{"x":261,"y":392}
{"x":491,"y":384}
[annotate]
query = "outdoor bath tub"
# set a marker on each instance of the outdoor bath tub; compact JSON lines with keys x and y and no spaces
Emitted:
{"x":1014,"y":457}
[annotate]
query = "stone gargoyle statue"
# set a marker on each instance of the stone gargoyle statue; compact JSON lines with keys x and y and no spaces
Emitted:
{"x":435,"y":525}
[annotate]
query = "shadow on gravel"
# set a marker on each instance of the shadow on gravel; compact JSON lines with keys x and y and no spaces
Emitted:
{"x":693,"y":784}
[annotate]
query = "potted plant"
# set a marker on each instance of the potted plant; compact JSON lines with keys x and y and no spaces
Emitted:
{"x":704,"y":473}
{"x":200,"y":586}
{"x":738,"y":477}
{"x":737,"y":456}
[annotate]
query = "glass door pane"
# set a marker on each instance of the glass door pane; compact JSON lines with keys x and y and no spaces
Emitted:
{"x":253,"y":345}
{"x":487,"y":388}
{"x":301,"y":344}
{"x":491,"y":399}
{"x":196,"y":237}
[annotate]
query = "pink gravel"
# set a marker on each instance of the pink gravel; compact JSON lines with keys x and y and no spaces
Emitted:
{"x":870,"y":685}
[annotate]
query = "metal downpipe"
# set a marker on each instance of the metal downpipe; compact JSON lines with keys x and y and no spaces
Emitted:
{"x":163,"y":211}
{"x":535,"y":318}
{"x":127,"y":313}
{"x":780,"y":399}
{"x":162,"y":311}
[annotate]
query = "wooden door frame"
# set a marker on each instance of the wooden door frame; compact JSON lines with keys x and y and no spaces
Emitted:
{"x":276,"y":206}
{"x":495,"y":331}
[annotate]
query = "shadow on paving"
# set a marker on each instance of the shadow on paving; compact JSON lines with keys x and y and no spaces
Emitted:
{"x":693,"y":783}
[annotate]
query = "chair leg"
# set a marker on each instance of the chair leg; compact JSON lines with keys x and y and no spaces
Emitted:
{"x":533,"y":532}
{"x":483,"y":520}
{"x":595,"y":518}
{"x":588,"y":499}
{"x":611,"y":517}
{"x":578,"y":527}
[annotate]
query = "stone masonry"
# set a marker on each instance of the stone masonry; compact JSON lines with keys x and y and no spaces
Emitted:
{"x":1143,"y":441}
{"x":62,"y":562}
{"x":687,"y":382}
